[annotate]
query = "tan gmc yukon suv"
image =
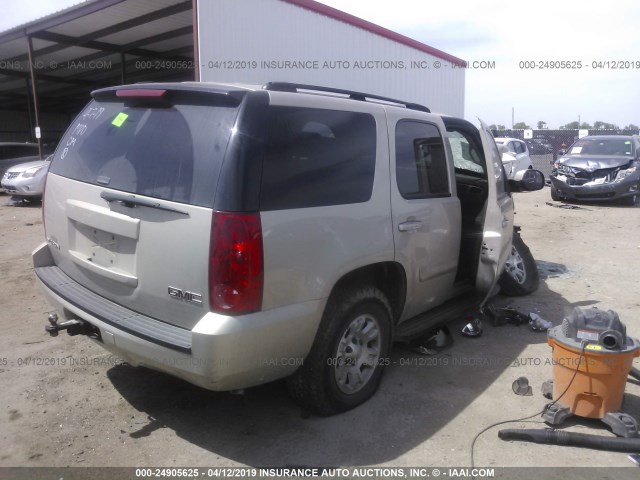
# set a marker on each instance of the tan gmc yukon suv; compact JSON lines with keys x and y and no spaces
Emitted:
{"x":234,"y":235}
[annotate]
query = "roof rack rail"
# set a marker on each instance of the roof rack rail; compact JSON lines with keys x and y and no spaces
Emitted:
{"x":294,"y":87}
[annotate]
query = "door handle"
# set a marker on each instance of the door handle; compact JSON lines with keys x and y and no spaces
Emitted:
{"x":410,"y":226}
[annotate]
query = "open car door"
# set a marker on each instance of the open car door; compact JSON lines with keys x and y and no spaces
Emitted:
{"x":498,"y":222}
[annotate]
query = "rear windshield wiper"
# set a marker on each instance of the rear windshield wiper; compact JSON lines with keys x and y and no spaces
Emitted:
{"x":131,"y":201}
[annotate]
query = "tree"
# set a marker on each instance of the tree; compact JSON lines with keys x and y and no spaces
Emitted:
{"x":604,"y":125}
{"x":502,"y":127}
{"x":541,"y":124}
{"x":571,"y":126}
{"x":521,"y":126}
{"x":585,"y":126}
{"x":493,"y":127}
{"x":631,"y":126}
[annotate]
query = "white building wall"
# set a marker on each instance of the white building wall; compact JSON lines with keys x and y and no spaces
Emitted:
{"x":237,"y":36}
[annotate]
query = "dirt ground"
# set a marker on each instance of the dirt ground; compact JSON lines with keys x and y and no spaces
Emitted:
{"x":67,"y":402}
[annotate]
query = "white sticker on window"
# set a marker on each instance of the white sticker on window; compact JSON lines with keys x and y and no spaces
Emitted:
{"x":576,"y":150}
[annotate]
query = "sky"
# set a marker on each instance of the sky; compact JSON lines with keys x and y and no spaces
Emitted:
{"x":506,"y":32}
{"x":509,"y":32}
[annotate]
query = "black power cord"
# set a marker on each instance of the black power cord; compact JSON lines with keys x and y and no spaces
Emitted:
{"x":547,"y":407}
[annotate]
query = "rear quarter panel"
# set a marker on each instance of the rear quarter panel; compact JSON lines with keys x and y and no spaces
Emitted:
{"x":307,"y":250}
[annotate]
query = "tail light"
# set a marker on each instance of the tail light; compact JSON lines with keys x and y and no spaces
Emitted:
{"x":236,"y":268}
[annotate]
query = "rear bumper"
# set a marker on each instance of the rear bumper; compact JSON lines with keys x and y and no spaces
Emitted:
{"x":220,"y":353}
{"x":604,"y":192}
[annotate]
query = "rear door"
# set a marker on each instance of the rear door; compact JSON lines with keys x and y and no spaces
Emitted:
{"x":425,"y":210}
{"x":498,"y":223}
{"x":129,"y":200}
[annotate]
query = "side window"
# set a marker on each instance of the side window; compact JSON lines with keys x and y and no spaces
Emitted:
{"x":520,"y":148}
{"x":467,"y":157}
{"x":511,"y":147}
{"x":421,"y":164}
{"x":316,"y":157}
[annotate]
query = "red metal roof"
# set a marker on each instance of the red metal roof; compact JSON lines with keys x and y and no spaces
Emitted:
{"x":373,"y":28}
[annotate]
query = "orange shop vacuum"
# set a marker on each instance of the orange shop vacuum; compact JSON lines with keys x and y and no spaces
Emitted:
{"x":592,"y":357}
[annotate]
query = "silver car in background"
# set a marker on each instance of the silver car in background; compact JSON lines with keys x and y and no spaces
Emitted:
{"x":26,"y":180}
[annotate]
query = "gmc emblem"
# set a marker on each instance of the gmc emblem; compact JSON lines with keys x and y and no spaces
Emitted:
{"x":186,"y":296}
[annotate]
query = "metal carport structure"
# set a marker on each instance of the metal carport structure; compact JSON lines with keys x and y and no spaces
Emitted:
{"x":49,"y":66}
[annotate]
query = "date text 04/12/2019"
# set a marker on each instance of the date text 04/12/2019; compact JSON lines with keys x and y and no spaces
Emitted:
{"x":579,"y":65}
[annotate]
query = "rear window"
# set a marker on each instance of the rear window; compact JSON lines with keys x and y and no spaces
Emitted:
{"x":168,"y":152}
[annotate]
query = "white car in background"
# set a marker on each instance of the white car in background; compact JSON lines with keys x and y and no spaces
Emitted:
{"x":26,"y":180}
{"x":515,"y":155}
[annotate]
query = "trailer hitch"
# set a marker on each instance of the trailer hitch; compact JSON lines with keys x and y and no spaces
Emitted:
{"x":73,"y":326}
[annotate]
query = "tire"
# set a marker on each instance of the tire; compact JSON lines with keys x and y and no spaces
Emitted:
{"x":341,"y":372}
{"x":555,"y":196}
{"x":520,"y":276}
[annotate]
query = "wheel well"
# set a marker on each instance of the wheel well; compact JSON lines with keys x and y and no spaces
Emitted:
{"x":388,"y":277}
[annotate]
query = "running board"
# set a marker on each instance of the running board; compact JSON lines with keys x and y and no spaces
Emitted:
{"x":451,"y":310}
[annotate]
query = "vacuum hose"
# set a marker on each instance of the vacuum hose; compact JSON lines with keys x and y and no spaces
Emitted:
{"x":555,"y":437}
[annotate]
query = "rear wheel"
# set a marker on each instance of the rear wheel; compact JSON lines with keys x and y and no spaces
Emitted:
{"x":345,"y":365}
{"x":520,"y":276}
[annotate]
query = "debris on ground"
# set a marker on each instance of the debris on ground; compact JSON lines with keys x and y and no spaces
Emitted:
{"x":547,"y":389}
{"x":511,"y":316}
{"x":521,"y":387}
{"x":503,"y":316}
{"x":539,"y":324}
{"x":566,"y":206}
{"x":434,"y":342}
{"x":473,"y":328}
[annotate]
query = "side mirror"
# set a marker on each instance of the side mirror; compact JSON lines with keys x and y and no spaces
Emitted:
{"x":562,"y":152}
{"x":529,"y":180}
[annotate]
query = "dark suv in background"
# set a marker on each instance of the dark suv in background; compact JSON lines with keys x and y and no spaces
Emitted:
{"x":598,"y":168}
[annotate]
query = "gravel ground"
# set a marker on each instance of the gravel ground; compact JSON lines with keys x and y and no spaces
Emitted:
{"x":67,"y":402}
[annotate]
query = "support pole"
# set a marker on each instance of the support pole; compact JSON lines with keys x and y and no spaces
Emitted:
{"x":29,"y":111}
{"x":33,"y":90}
{"x":196,"y":49}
